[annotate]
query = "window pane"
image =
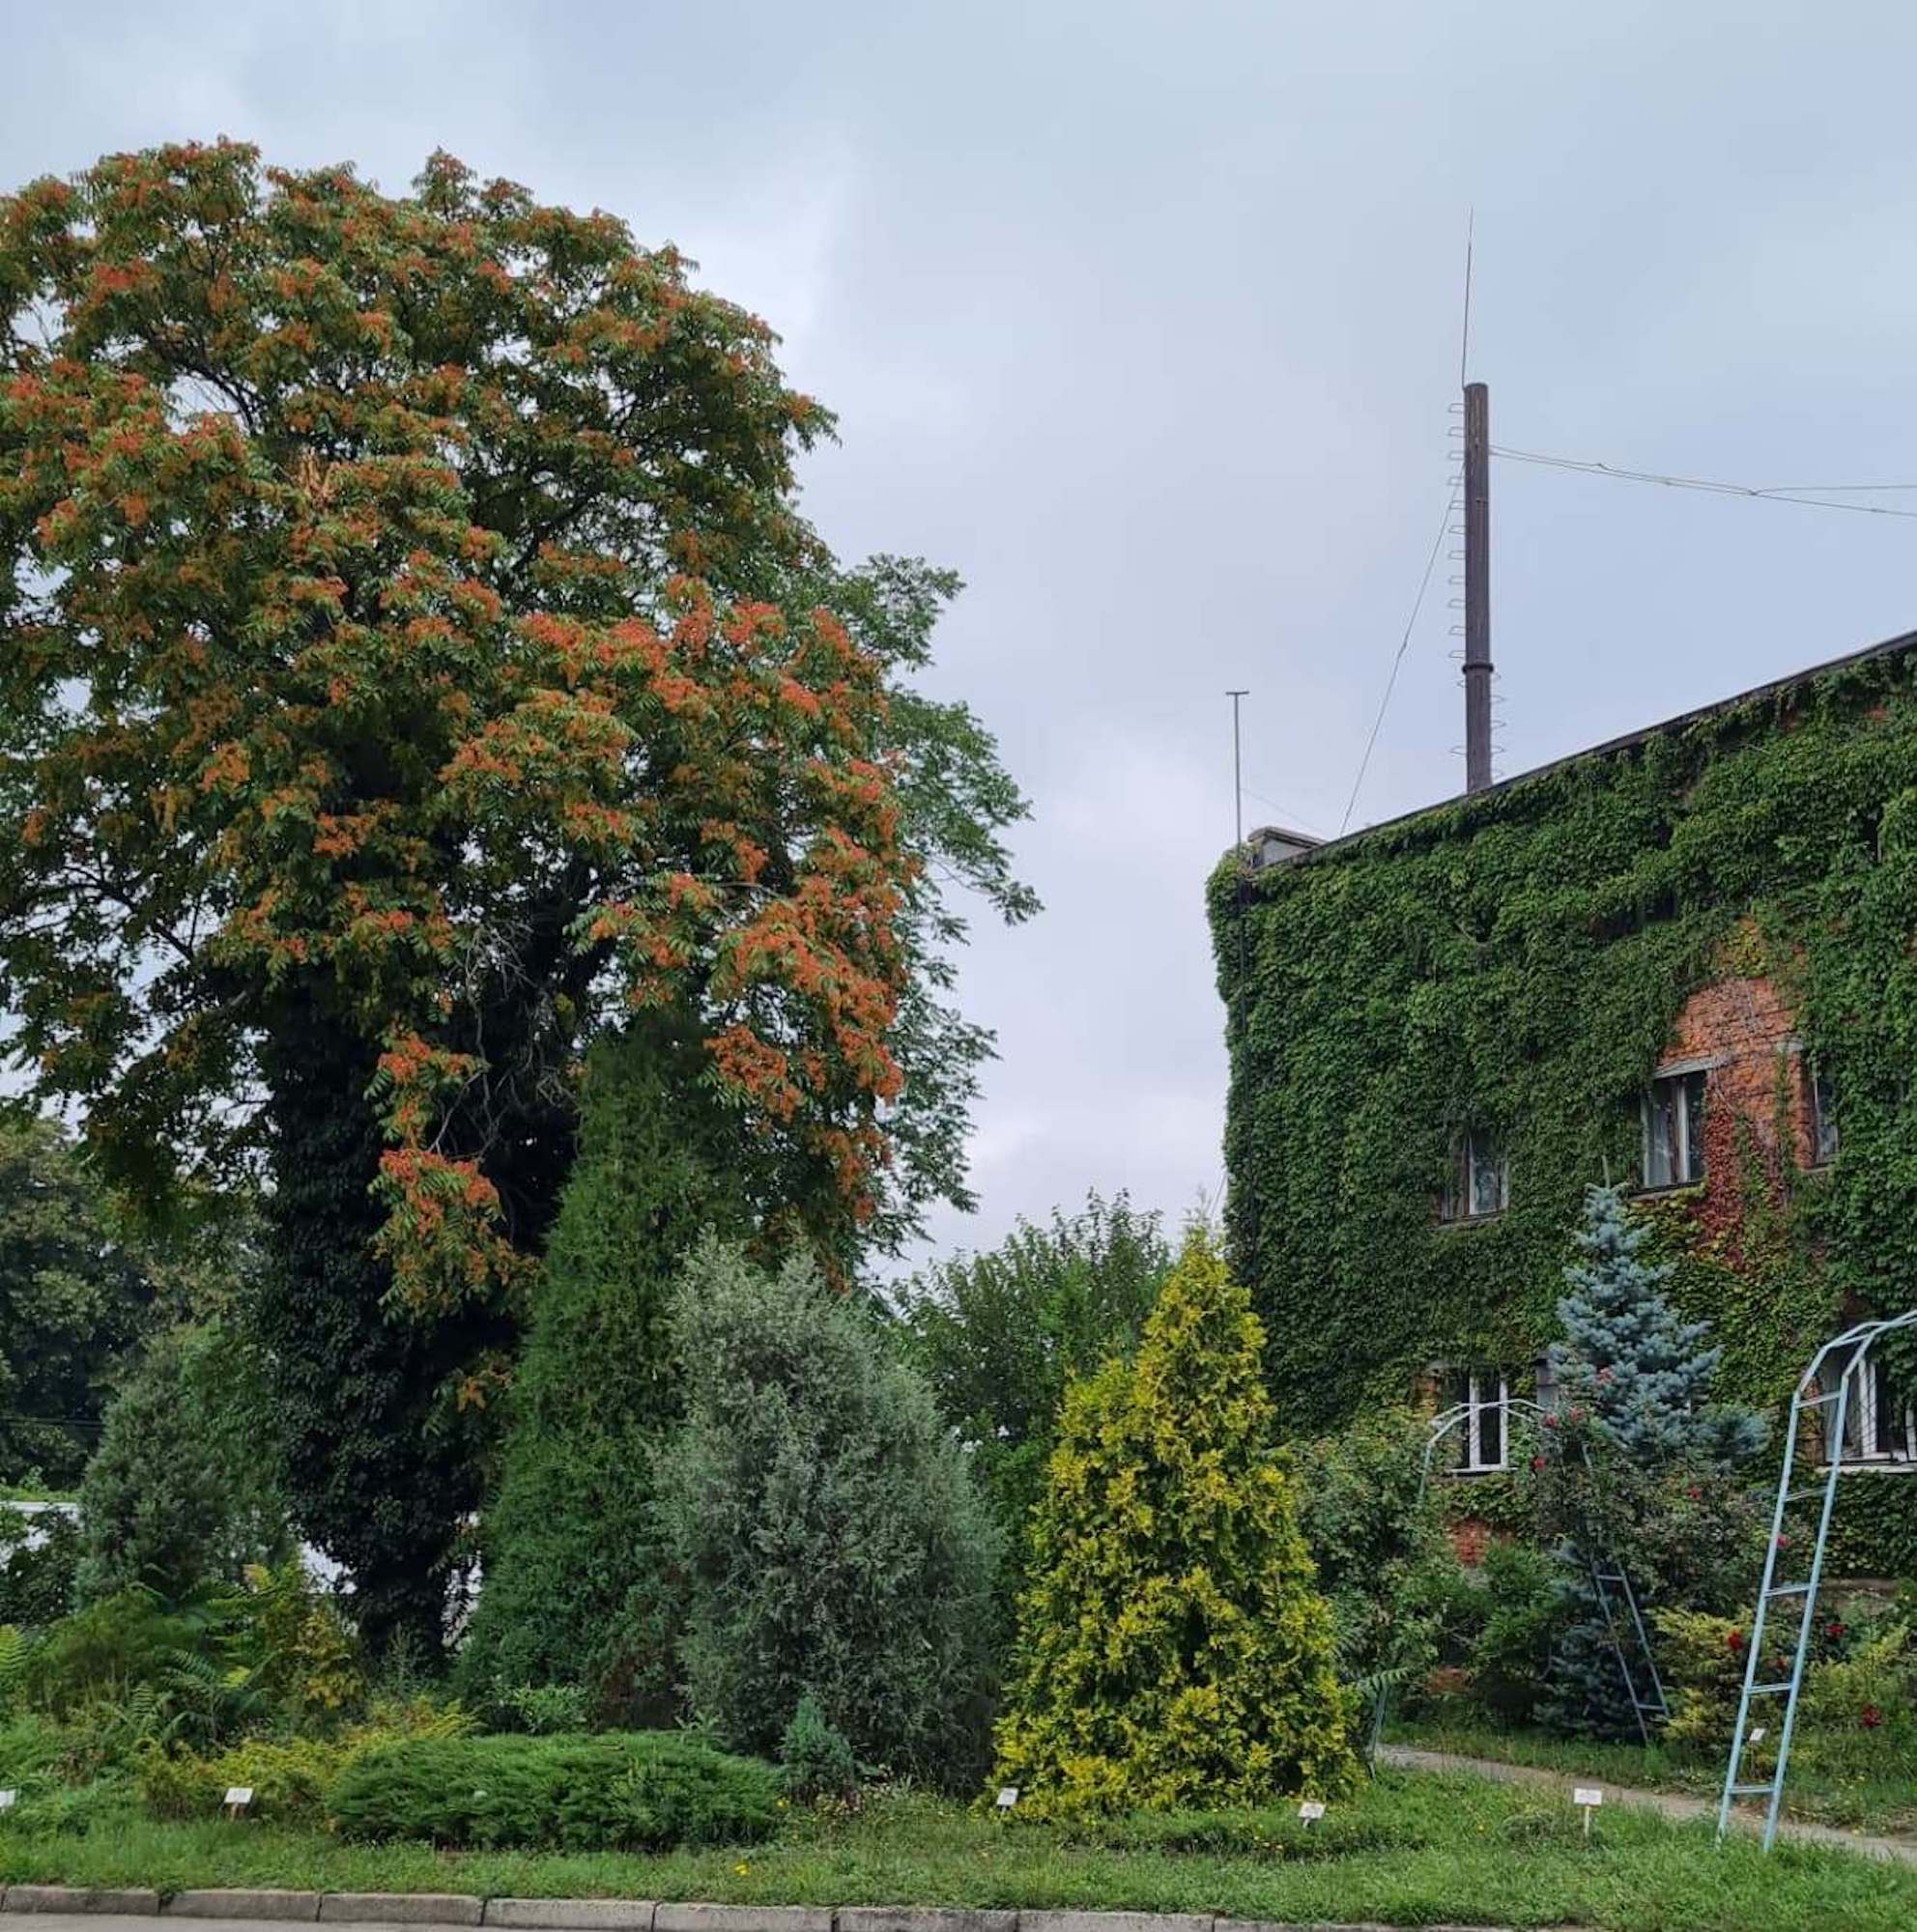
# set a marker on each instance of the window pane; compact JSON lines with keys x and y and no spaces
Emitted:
{"x":1661,"y":1134}
{"x":1487,"y":1192}
{"x":1693,"y":1127}
{"x":1823,"y":1129}
{"x":1490,"y":1425}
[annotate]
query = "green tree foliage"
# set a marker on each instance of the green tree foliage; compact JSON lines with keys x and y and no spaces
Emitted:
{"x":410,"y":656}
{"x":1173,"y":1648}
{"x":185,"y":1487}
{"x":1661,"y":1495}
{"x":1644,"y":1376}
{"x":825,"y":1525}
{"x":72,"y":1298}
{"x":1000,"y":1334}
{"x":39,"y":1553}
{"x":571,"y":1536}
{"x":1378,"y":1549}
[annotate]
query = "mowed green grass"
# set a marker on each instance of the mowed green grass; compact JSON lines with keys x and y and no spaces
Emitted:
{"x":1410,"y":1850}
{"x":1871,"y":1805}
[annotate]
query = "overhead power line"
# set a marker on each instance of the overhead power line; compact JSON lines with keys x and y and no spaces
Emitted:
{"x":1812,"y":495}
{"x":1398,"y":658}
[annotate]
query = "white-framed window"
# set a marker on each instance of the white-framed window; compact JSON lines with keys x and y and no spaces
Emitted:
{"x":1479,"y":1181}
{"x":1824,"y":1121}
{"x":1484,"y":1435}
{"x":1674,"y":1124}
{"x":1879,"y":1419}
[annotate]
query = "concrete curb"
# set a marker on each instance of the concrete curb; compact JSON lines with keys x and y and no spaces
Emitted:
{"x":401,"y":1907}
{"x":236,"y":1902}
{"x":572,"y":1915}
{"x":624,"y":1914}
{"x":123,"y":1901}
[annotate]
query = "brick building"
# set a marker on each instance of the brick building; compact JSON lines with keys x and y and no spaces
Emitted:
{"x":1688,"y":958}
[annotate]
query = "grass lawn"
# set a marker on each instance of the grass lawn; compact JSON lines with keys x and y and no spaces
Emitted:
{"x":1409,"y":1850}
{"x":1888,"y":1805}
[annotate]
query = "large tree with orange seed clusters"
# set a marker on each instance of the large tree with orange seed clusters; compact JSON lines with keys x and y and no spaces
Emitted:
{"x":410,"y":657}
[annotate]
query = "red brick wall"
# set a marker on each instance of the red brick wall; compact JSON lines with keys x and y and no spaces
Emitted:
{"x":1745,"y":1028}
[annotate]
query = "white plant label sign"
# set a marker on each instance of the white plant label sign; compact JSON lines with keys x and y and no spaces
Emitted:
{"x":1587,"y":1795}
{"x":1312,"y":1811}
{"x":1007,"y":1796}
{"x":237,"y":1796}
{"x":7,"y":1799}
{"x":1755,"y":1737}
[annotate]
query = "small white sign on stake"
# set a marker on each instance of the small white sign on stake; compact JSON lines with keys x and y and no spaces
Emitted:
{"x":1311,"y":1810}
{"x":1587,"y":1798}
{"x":7,"y":1799}
{"x":237,"y":1797}
{"x":1007,"y":1796}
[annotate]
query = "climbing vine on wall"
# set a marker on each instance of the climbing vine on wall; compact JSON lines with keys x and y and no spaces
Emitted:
{"x":1513,"y":964}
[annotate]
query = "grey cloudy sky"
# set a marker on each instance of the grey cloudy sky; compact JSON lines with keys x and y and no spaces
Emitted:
{"x":1145,"y":318}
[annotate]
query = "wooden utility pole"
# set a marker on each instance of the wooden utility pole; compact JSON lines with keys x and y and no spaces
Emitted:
{"x":1477,"y":586}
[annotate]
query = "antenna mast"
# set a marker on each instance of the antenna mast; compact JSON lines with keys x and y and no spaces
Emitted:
{"x":1477,"y":586}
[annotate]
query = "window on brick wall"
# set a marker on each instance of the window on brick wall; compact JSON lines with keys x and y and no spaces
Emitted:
{"x":1673,"y":1127}
{"x":1881,"y":1417}
{"x":1823,"y":1122}
{"x":1478,"y":1181}
{"x":1483,"y":1437}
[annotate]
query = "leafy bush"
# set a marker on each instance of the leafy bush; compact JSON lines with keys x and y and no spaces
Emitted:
{"x":826,"y":1527}
{"x":1173,"y":1650}
{"x":1523,"y":1608}
{"x":104,"y":1651}
{"x":617,"y":1790}
{"x":571,"y":1536}
{"x":541,"y":1710}
{"x":182,"y":1488}
{"x":999,"y":1335}
{"x":1859,"y":1717}
{"x":1376,"y":1546}
{"x":289,"y":1779}
{"x":39,"y":1556}
{"x":297,"y":1645}
{"x":815,"y":1760}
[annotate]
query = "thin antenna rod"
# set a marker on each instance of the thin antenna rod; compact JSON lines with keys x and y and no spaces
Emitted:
{"x":1464,"y":338}
{"x":1237,"y":773}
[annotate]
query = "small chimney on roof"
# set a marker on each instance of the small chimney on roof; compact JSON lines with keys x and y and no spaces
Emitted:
{"x":1274,"y":845}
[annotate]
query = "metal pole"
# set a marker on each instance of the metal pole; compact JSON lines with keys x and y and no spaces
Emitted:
{"x":1237,"y":772}
{"x":1477,"y":586}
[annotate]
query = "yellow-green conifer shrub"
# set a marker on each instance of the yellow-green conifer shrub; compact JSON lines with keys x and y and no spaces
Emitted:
{"x":1174,"y":1650}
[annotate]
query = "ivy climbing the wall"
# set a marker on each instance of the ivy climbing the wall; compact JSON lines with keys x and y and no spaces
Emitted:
{"x":1511,"y":966}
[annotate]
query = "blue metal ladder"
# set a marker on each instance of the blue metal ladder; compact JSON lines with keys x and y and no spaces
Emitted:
{"x":1832,"y":1407}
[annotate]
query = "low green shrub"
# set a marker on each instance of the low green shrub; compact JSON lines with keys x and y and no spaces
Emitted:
{"x":1266,"y":1832}
{"x":540,"y":1710}
{"x":289,"y":1779}
{"x":103,"y":1652}
{"x":618,"y":1790}
{"x":814,"y":1759}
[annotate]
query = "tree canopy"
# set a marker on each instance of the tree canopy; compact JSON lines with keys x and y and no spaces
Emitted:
{"x":411,"y":658}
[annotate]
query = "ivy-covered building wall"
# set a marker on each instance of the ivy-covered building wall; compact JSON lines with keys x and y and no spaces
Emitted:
{"x":1687,"y":957}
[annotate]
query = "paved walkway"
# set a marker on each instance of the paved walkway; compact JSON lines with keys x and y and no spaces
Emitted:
{"x":1673,"y":1805}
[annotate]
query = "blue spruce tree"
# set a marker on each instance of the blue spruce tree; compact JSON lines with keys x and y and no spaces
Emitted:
{"x":1634,"y":1381}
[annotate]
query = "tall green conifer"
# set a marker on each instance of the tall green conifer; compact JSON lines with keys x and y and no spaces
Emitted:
{"x":1173,"y":1647}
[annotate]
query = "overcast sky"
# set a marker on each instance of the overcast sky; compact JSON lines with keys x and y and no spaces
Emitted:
{"x":1145,"y":319}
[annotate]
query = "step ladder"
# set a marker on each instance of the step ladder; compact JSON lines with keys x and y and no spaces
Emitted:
{"x":1774,"y":1699}
{"x":1625,"y":1625}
